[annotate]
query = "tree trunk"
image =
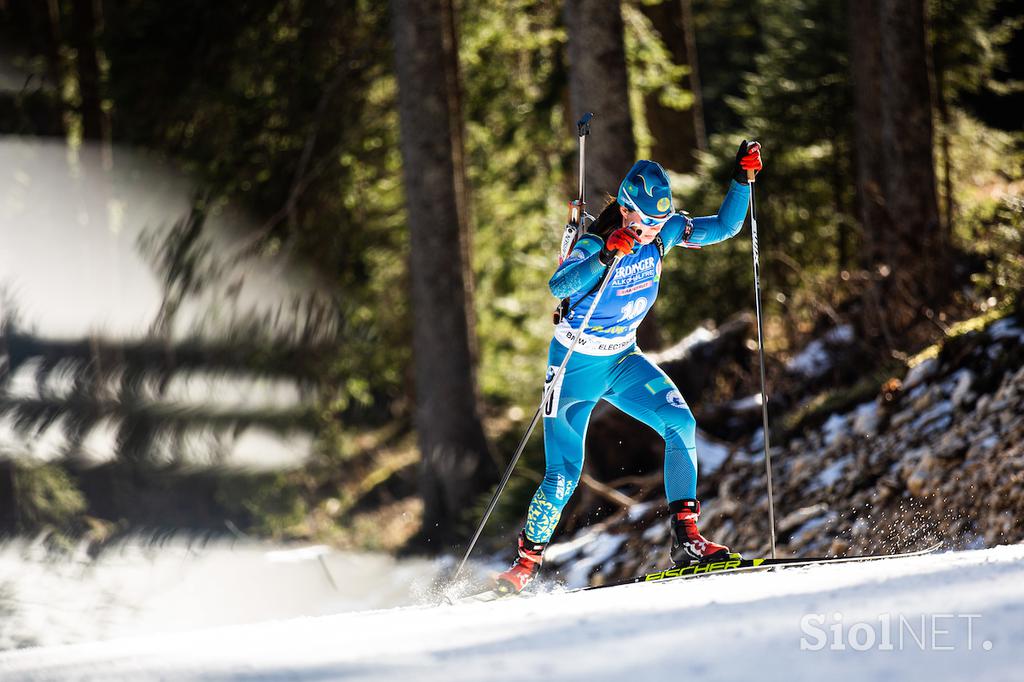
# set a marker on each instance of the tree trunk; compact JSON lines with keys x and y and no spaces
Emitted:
{"x":85,"y":26}
{"x":866,"y":63}
{"x":453,"y":80}
{"x":945,"y":120}
{"x":677,"y":134}
{"x":455,"y":462}
{"x":919,"y":251}
{"x":598,"y":83}
{"x":895,"y":173}
{"x":690,"y":34}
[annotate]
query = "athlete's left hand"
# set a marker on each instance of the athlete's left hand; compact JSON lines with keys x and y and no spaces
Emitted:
{"x":621,"y":241}
{"x":748,"y":158}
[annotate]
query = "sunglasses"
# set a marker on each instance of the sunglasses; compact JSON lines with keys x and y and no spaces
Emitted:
{"x":649,"y":221}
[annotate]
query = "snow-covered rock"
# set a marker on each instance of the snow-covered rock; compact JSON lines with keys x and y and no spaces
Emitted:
{"x":961,"y":392}
{"x":920,"y":372}
{"x":816,"y":358}
{"x":866,"y":419}
{"x":710,"y":454}
{"x":1006,"y":328}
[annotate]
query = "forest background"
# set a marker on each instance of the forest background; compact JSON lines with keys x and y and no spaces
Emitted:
{"x":414,"y":161}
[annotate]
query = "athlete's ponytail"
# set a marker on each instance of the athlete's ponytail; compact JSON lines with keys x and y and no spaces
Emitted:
{"x":609,"y":219}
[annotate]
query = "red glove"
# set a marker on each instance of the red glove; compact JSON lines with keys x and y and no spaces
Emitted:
{"x":748,"y":158}
{"x":621,"y":240}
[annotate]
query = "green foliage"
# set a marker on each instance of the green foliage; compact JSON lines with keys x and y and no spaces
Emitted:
{"x":968,"y":39}
{"x":982,"y":158}
{"x":45,"y":496}
{"x":1000,"y":230}
{"x":268,"y":505}
{"x":518,"y":146}
{"x":651,"y":72}
{"x":797,"y":102}
{"x":285,"y":107}
{"x":729,"y":35}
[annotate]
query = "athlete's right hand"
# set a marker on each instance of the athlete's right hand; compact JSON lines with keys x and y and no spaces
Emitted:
{"x":620,"y":241}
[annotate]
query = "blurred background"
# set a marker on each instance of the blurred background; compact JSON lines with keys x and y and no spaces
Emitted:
{"x":273,"y":302}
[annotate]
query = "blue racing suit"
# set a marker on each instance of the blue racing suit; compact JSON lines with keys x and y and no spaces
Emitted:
{"x":607,"y":365}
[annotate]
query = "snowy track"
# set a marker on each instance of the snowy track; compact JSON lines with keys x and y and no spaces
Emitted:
{"x":945,"y":616}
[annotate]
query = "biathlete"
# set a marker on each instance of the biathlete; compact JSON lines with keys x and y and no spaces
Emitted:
{"x":641,"y":225}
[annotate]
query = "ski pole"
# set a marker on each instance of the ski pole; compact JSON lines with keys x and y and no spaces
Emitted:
{"x":760,"y":349}
{"x":572,"y":229}
{"x":533,"y":422}
{"x":577,"y":209}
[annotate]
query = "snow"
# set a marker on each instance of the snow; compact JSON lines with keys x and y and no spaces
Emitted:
{"x":961,"y":391}
{"x":710,"y":454}
{"x":937,"y":418}
{"x":920,"y":372}
{"x":834,"y":427}
{"x":638,"y":511}
{"x":685,"y":346}
{"x":1006,"y":328}
{"x":656,"y":533}
{"x":750,"y":403}
{"x":832,"y":473}
{"x":865,"y":419}
{"x":757,"y":442}
{"x":812,"y":361}
{"x":142,"y":586}
{"x":843,"y":334}
{"x":588,"y":550}
{"x":815,"y":359}
{"x":813,"y":527}
{"x":950,"y":616}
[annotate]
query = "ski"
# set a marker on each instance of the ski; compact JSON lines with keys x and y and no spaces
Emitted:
{"x":734,"y":565}
{"x":488,"y":595}
{"x":745,"y":565}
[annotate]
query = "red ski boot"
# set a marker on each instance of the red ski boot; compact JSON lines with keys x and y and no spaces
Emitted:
{"x":524,"y":569}
{"x":688,"y":545}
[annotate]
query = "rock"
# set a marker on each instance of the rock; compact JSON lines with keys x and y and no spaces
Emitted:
{"x":839,"y":547}
{"x":997,"y":405}
{"x":1006,"y":328}
{"x":801,"y":466}
{"x":900,"y":419}
{"x":861,"y":527}
{"x":927,"y":399}
{"x":908,"y":462}
{"x":800,"y":517}
{"x":920,"y":372}
{"x":834,"y":428}
{"x":952,"y":445}
{"x":831,"y":474}
{"x":917,"y":482}
{"x":980,"y":449}
{"x":962,"y":389}
{"x":916,"y":469}
{"x":940,"y":412}
{"x":866,"y":419}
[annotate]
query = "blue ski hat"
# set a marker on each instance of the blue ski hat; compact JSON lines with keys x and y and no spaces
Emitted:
{"x":645,"y":189}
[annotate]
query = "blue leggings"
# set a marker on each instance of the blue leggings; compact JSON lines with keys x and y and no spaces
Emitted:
{"x":635,"y":385}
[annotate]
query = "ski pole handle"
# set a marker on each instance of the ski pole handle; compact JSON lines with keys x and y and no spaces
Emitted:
{"x":583,"y":125}
{"x":750,"y":176}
